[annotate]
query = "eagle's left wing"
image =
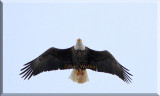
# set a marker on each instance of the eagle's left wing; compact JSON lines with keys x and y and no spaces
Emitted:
{"x":105,"y":62}
{"x":52,"y":59}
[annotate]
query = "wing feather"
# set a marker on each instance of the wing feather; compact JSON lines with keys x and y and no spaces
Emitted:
{"x":105,"y":62}
{"x":51,"y":59}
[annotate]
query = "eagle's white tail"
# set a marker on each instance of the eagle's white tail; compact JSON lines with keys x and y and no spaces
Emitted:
{"x":81,"y":78}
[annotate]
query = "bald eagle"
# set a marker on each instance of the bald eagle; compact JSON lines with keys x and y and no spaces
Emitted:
{"x":79,"y":58}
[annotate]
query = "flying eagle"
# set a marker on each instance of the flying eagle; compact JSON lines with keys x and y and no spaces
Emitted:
{"x":79,"y":58}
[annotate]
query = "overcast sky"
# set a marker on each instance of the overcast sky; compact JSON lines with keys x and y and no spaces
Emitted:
{"x":127,"y":30}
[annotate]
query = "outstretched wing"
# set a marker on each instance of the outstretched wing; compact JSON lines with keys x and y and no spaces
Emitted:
{"x":52,"y":59}
{"x":105,"y":62}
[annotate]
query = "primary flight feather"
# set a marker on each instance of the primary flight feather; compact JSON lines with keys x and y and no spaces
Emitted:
{"x":79,"y":58}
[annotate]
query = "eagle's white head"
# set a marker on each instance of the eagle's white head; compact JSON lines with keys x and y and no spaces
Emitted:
{"x":79,"y":45}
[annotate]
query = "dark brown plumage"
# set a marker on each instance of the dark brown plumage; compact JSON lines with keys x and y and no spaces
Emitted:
{"x":105,"y":62}
{"x":54,"y":59}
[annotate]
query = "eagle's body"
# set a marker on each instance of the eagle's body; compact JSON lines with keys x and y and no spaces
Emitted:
{"x":79,"y":58}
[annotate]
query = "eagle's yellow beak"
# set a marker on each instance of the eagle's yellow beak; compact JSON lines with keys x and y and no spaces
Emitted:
{"x":79,"y":40}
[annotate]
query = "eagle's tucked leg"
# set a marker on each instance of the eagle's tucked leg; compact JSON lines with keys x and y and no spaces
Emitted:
{"x":83,"y":72}
{"x":79,"y":78}
{"x":77,"y":72}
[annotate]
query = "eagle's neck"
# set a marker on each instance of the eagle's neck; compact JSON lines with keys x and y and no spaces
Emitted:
{"x":79,"y":46}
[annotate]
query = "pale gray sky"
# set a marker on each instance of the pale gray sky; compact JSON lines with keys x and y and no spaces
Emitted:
{"x":127,"y":30}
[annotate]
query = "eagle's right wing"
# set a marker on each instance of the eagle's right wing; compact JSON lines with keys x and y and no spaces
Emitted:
{"x":105,"y":62}
{"x":52,"y":59}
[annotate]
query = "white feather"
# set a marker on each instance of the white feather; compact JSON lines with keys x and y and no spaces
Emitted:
{"x":79,"y":46}
{"x":79,"y":78}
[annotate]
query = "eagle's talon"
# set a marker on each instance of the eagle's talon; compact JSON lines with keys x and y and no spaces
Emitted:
{"x":83,"y":72}
{"x":77,"y":72}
